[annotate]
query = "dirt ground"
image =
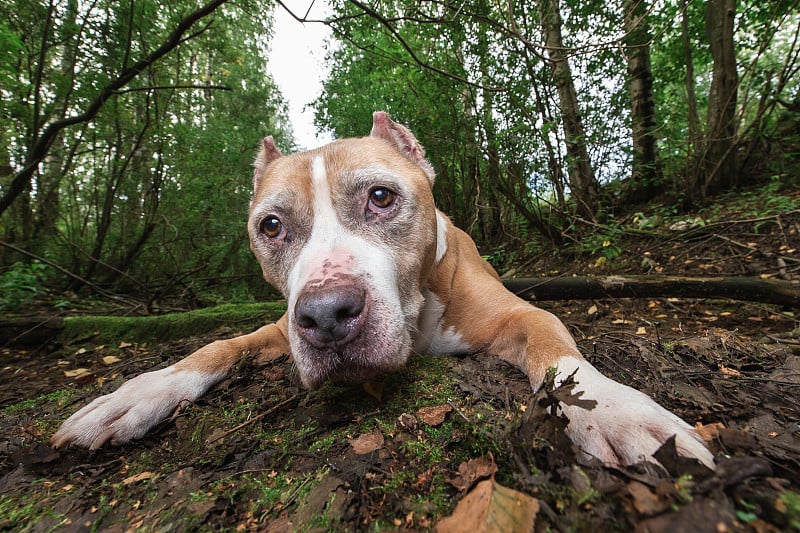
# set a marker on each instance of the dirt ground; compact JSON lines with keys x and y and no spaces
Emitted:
{"x":259,"y":453}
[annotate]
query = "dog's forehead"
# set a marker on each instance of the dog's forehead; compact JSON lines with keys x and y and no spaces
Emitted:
{"x":341,"y":159}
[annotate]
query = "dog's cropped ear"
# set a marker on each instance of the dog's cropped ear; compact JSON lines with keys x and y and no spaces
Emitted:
{"x":268,"y":153}
{"x":401,"y":138}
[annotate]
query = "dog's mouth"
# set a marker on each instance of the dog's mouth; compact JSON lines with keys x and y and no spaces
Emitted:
{"x":345,"y":335}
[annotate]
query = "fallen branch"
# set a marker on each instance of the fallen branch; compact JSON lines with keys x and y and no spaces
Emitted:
{"x":588,"y":288}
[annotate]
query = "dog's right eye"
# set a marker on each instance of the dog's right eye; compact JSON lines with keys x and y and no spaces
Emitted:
{"x":272,"y":227}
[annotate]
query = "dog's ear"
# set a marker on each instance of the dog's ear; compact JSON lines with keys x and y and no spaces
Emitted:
{"x":401,"y":138}
{"x":268,"y":153}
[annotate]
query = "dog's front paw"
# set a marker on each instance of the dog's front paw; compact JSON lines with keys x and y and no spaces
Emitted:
{"x":133,"y":409}
{"x":625,"y":426}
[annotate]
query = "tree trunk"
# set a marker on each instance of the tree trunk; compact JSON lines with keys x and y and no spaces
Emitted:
{"x":583,"y":183}
{"x":719,"y":163}
{"x":693,"y":122}
{"x":645,"y":173}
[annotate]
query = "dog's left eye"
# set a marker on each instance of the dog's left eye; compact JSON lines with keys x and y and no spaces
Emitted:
{"x":381,"y":198}
{"x":272,"y":227}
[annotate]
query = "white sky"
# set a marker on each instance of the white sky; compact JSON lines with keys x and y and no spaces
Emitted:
{"x":297,"y":63}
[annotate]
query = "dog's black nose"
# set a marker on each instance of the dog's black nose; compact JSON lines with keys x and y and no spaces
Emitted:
{"x":330,"y":317}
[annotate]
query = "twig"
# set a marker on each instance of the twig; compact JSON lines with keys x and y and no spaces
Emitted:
{"x":72,"y":275}
{"x":255,"y":418}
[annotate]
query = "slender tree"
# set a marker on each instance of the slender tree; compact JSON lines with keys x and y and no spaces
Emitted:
{"x":646,"y":177}
{"x":719,"y":157}
{"x":583,"y":183}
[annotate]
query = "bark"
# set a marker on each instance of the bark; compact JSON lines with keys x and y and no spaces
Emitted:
{"x":583,"y":182}
{"x":645,"y":174}
{"x":719,"y":163}
{"x":693,"y":122}
{"x":58,"y":162}
{"x":589,"y":288}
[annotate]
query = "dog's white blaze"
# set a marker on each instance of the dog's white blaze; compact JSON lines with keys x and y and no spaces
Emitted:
{"x":348,"y":252}
{"x":441,"y":236}
{"x":431,"y":337}
{"x":324,"y":231}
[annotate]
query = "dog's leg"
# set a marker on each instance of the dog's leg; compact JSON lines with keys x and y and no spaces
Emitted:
{"x":625,"y":427}
{"x":144,"y":401}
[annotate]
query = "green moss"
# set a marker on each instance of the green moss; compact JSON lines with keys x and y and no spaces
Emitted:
{"x":22,"y":514}
{"x":30,"y":404}
{"x":171,"y":326}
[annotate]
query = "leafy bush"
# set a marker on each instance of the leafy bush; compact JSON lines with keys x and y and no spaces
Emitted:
{"x":20,"y":284}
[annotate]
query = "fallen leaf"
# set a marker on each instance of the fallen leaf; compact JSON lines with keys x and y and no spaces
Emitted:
{"x":708,"y":432}
{"x":471,"y":471}
{"x":641,"y":330}
{"x":407,"y":422}
{"x":367,"y":442}
{"x":592,"y":310}
{"x":124,"y":344}
{"x":373,"y":388}
{"x":491,"y":507}
{"x":110,"y":360}
{"x":139,"y":477}
{"x":729,"y":372}
{"x":78,"y":372}
{"x":433,"y":415}
{"x":216,"y":436}
{"x":646,"y":502}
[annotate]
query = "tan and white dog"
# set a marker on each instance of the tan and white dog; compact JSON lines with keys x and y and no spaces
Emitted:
{"x":373,"y":273}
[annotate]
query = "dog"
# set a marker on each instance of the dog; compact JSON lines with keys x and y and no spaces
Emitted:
{"x":372,"y":273}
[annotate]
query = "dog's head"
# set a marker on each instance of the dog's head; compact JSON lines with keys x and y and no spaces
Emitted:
{"x":348,"y":234}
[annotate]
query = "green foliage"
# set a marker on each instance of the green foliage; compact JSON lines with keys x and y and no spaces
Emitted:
{"x":158,"y":185}
{"x":791,"y":502}
{"x":21,"y":283}
{"x":604,"y":242}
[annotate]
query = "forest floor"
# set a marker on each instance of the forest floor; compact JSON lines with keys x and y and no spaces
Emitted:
{"x":259,"y":453}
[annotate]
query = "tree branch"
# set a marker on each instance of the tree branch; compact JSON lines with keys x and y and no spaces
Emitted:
{"x":172,"y":87}
{"x":590,"y":288}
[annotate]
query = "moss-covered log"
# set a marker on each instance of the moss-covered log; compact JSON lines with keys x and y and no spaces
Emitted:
{"x":596,"y":288}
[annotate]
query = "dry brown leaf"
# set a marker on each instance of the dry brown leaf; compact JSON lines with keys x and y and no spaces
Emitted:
{"x":433,"y":415}
{"x":708,"y":432}
{"x":111,"y":359}
{"x":645,"y":501}
{"x":78,"y":372}
{"x":729,"y":372}
{"x":491,"y":507}
{"x":367,"y":442}
{"x":139,"y":477}
{"x":471,"y":471}
{"x":124,"y":344}
{"x":374,"y":389}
